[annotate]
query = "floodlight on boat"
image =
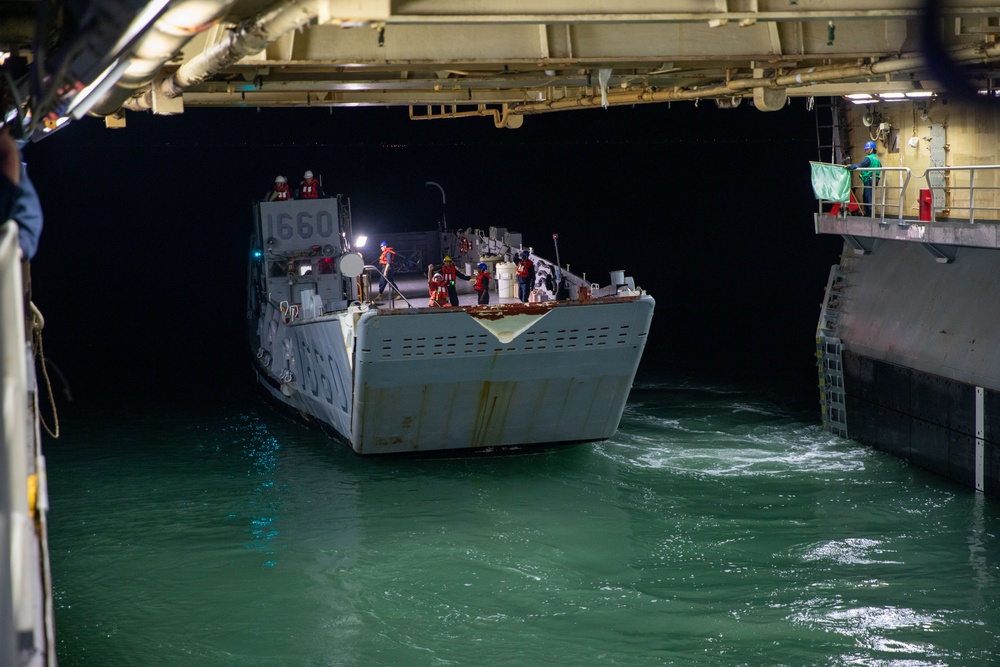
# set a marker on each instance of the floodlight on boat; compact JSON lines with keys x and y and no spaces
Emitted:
{"x":360,"y":241}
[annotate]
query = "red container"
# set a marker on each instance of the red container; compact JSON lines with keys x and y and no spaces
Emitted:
{"x":925,"y":205}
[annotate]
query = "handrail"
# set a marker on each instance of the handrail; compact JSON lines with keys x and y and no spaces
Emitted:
{"x":939,"y":190}
{"x":370,"y":268}
{"x":884,"y":174}
{"x":964,"y":192}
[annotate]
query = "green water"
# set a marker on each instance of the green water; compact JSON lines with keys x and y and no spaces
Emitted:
{"x":716,"y":528}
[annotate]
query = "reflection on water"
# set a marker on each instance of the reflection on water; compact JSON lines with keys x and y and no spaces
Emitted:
{"x":715,"y":528}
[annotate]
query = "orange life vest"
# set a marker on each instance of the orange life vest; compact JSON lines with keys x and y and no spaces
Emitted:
{"x":386,"y":256}
{"x":439,"y":293}
{"x":309,"y":190}
{"x":524,"y":268}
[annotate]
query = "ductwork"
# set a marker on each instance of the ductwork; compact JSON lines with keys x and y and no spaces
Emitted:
{"x":249,"y":38}
{"x":739,"y":87}
{"x":167,"y":36}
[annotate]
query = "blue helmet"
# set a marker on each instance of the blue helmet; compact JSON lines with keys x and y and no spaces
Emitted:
{"x":482,"y":266}
{"x":869,"y":145}
{"x":383,"y":244}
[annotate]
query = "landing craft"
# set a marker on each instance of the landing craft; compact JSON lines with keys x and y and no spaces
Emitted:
{"x":407,"y":375}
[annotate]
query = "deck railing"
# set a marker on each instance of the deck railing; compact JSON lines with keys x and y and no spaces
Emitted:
{"x":973,"y":192}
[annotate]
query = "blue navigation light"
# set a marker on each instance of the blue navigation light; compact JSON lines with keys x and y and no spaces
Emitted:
{"x":257,"y":254}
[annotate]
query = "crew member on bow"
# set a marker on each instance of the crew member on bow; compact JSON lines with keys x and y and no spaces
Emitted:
{"x":439,"y":292}
{"x":451,"y":273}
{"x":386,"y":270}
{"x":525,"y":276}
{"x":482,"y":285}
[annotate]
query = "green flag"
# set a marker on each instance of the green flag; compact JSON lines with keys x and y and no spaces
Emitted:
{"x":831,"y":182}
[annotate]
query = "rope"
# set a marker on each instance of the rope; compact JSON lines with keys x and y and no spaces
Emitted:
{"x":37,"y":324}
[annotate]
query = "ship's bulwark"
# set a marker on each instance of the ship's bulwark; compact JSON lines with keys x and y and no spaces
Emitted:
{"x":453,"y":383}
{"x":922,"y":357}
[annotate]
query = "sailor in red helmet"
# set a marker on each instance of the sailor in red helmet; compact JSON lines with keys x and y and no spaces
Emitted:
{"x":483,"y":284}
{"x":309,"y":188}
{"x":280,"y":192}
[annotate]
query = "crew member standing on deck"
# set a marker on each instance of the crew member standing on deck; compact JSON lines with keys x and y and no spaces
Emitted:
{"x":483,"y":284}
{"x":439,"y":292}
{"x":450,"y":273}
{"x":869,"y":178}
{"x":386,"y":270}
{"x":525,"y":276}
{"x":309,"y":188}
{"x":281,"y":191}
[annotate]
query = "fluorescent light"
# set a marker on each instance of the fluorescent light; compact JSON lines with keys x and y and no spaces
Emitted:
{"x":892,"y":96}
{"x":858,"y":96}
{"x":920,"y":93}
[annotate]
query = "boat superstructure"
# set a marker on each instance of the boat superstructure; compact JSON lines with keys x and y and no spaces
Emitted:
{"x":402,"y":376}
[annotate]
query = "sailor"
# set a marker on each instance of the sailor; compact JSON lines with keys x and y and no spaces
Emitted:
{"x":309,"y":188}
{"x":438,"y":289}
{"x":525,"y":276}
{"x":451,"y":273}
{"x":869,"y":178}
{"x":280,"y":191}
{"x":18,"y":198}
{"x":483,"y":284}
{"x":386,"y":270}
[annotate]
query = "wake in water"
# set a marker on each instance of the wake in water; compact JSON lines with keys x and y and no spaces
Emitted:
{"x":725,"y":430}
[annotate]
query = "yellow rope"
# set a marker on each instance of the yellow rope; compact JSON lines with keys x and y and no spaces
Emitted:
{"x":37,"y":324}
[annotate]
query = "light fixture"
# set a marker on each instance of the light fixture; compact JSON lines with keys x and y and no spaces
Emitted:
{"x":360,"y":241}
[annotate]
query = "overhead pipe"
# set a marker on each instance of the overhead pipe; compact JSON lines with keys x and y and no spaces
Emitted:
{"x":249,"y":38}
{"x":739,"y":87}
{"x":168,"y":34}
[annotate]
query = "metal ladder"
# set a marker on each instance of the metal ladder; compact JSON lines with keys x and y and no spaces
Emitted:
{"x":829,"y":357}
{"x":830,"y":119}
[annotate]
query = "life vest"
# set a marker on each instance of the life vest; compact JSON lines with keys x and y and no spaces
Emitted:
{"x":280,"y":192}
{"x":524,"y":268}
{"x":482,"y":281}
{"x":439,"y":293}
{"x":387,"y":255}
{"x":449,"y":272}
{"x":874,"y":163}
{"x":309,"y":190}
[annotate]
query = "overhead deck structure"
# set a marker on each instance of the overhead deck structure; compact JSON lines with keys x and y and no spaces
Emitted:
{"x":506,"y":59}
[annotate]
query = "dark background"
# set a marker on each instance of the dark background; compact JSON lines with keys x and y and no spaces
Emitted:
{"x":141,"y":269}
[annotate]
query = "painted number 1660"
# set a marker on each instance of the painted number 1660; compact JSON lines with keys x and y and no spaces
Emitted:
{"x":304,"y":225}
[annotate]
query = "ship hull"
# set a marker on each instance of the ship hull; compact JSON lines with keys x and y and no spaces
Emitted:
{"x":419,"y":380}
{"x":920,"y":358}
